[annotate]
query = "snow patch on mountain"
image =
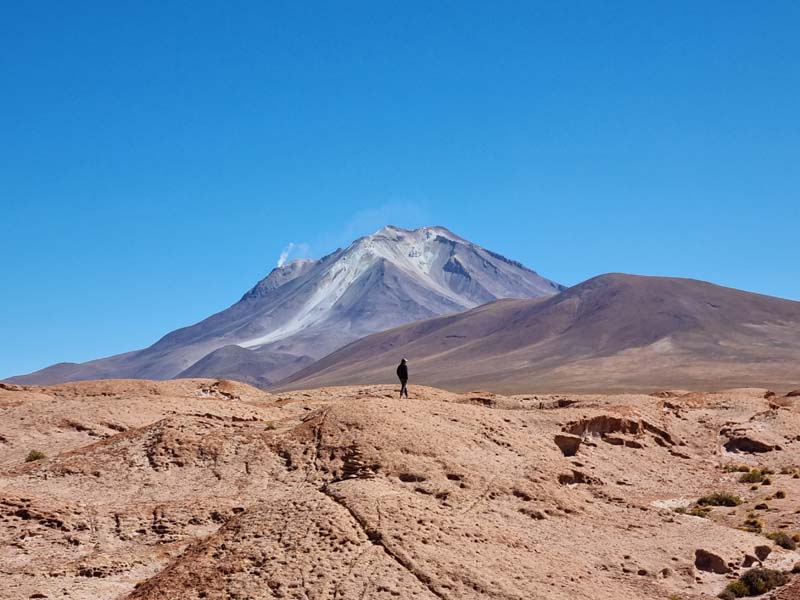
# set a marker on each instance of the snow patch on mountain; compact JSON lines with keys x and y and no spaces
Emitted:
{"x":419,"y":253}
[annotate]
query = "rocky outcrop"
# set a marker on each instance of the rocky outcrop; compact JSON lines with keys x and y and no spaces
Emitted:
{"x":568,"y":443}
{"x":618,"y":430}
{"x":576,"y":477}
{"x":746,"y":440}
{"x":749,"y":445}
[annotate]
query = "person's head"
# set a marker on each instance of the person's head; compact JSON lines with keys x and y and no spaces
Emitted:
{"x":404,"y":361}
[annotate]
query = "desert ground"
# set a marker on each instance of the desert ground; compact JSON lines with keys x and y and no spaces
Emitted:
{"x":212,"y":489}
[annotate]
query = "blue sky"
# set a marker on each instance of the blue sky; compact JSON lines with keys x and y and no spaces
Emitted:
{"x":157,"y":157}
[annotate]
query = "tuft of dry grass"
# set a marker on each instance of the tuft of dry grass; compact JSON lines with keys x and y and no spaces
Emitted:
{"x":753,"y":523}
{"x":754,"y":476}
{"x":35,"y":455}
{"x":733,"y":468}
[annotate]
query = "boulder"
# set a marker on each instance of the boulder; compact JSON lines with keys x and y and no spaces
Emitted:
{"x":749,"y":560}
{"x":710,"y":562}
{"x":762,"y":552}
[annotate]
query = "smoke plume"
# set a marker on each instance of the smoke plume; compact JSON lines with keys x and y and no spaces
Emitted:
{"x":285,"y":254}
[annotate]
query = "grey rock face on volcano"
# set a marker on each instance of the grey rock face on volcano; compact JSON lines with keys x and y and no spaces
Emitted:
{"x":308,"y":308}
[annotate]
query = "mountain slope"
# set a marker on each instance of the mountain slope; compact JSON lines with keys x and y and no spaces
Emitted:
{"x":247,"y":366}
{"x":307,"y":308}
{"x":611,"y":332}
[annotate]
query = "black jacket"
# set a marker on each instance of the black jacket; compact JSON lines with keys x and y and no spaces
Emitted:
{"x":402,"y":372}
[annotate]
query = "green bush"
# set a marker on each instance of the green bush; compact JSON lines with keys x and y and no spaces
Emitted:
{"x":720,"y":499}
{"x":35,"y":455}
{"x":754,"y":583}
{"x":783,"y":540}
{"x":760,"y":581}
{"x":735,"y":589}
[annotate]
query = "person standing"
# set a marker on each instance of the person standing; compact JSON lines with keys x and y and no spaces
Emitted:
{"x":402,"y":375}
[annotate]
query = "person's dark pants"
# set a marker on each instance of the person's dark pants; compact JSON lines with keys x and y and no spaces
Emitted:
{"x":403,"y":388}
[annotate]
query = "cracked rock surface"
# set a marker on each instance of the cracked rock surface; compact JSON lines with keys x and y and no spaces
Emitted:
{"x":213,"y":489}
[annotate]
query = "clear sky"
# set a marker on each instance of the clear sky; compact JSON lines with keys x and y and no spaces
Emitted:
{"x":157,"y":157}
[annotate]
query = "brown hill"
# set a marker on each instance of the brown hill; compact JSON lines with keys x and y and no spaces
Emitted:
{"x":611,"y":333}
{"x":211,"y":489}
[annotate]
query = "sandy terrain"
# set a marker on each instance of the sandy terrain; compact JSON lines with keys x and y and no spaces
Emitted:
{"x":212,"y":489}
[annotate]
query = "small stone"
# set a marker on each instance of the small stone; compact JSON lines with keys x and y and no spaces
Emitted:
{"x":749,"y":560}
{"x":762,"y":552}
